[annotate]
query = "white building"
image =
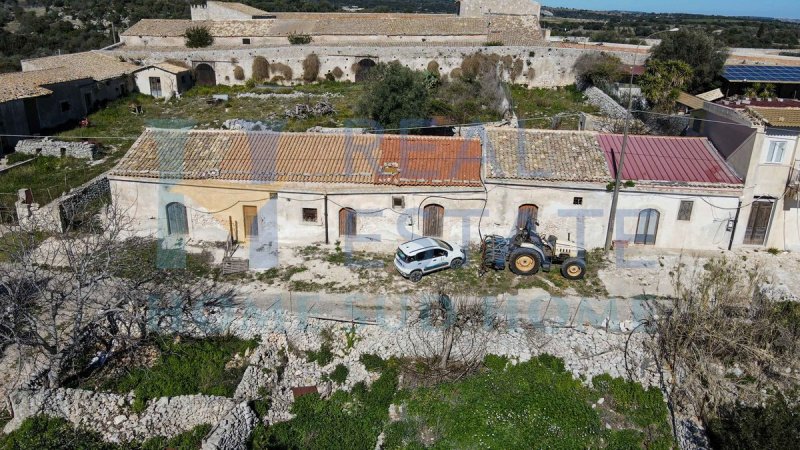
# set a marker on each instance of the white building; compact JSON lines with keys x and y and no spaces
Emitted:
{"x":164,"y":80}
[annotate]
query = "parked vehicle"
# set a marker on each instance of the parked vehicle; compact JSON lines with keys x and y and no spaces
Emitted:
{"x":425,"y":255}
{"x":527,"y":252}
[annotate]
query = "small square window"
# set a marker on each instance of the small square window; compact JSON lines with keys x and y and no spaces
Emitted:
{"x":246,"y":41}
{"x":685,"y":211}
{"x":310,"y":215}
{"x":398,"y":202}
{"x":65,"y":106}
{"x":577,"y":200}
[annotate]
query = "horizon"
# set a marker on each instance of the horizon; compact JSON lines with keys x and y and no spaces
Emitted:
{"x":774,"y":9}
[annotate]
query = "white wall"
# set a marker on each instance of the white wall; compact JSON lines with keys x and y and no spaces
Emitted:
{"x":170,"y":83}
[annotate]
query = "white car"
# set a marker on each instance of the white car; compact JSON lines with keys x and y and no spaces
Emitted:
{"x":425,"y":255}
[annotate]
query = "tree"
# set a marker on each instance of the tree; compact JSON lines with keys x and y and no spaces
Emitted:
{"x":83,"y":289}
{"x":598,"y":69}
{"x":197,"y":37}
{"x":394,"y":94}
{"x":662,"y":82}
{"x":701,"y":51}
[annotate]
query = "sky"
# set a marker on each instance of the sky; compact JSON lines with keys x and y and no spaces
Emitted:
{"x":789,"y":9}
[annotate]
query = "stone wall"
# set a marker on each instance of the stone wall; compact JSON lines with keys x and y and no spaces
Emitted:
{"x":607,"y":105}
{"x":542,"y":66}
{"x":49,"y":147}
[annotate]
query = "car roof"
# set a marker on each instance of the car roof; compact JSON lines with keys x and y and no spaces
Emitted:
{"x":419,"y":244}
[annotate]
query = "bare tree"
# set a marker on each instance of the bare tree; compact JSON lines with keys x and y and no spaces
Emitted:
{"x":67,"y":293}
{"x":450,"y":332}
{"x":721,"y":340}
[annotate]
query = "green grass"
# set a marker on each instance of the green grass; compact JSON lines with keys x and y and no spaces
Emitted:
{"x":536,"y":401}
{"x":190,"y":366}
{"x":43,"y":432}
{"x":543,"y":102}
{"x":348,"y":420}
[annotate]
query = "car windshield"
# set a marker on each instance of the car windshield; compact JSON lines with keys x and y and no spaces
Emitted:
{"x":443,"y":244}
{"x":403,"y":257}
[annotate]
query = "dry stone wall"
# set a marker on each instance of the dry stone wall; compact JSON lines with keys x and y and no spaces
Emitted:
{"x":49,"y":147}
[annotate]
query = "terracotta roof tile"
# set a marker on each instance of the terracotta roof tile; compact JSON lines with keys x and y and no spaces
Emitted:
{"x":19,"y":85}
{"x":545,"y":155}
{"x":778,"y":117}
{"x":95,"y":65}
{"x":303,"y":157}
{"x":669,"y":159}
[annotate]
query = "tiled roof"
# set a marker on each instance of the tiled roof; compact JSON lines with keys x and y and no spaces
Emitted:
{"x":303,"y":157}
{"x":167,"y":67}
{"x":544,"y":155}
{"x":95,"y":65}
{"x":341,"y":24}
{"x":19,"y":85}
{"x":242,"y":8}
{"x":778,"y":117}
{"x":668,"y":159}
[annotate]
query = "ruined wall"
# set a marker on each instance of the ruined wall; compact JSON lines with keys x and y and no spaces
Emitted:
{"x":49,"y":147}
{"x":542,"y":66}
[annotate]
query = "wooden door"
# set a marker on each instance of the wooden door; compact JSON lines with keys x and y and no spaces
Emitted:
{"x":347,"y":222}
{"x":155,"y":86}
{"x":529,"y":211}
{"x":250,"y":221}
{"x":177,"y":221}
{"x":647,"y":228}
{"x":758,"y":223}
{"x":433,"y":220}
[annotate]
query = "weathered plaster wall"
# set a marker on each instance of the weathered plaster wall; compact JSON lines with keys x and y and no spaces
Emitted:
{"x":170,"y":83}
{"x":542,"y":66}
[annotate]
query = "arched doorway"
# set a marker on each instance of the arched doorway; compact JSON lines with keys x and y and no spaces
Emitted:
{"x":205,"y":75}
{"x":647,"y":228}
{"x":348,"y":225}
{"x":362,"y":68}
{"x":433,"y":220}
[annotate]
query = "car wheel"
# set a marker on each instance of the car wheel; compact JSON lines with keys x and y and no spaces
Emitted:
{"x":573,"y":269}
{"x":524,"y":261}
{"x":415,"y":276}
{"x":457,"y":263}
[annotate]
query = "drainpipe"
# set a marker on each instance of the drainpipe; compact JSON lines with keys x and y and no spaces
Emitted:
{"x":327,"y":240}
{"x":735,"y":223}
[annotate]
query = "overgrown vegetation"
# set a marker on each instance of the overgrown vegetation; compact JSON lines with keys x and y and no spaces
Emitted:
{"x":598,"y":69}
{"x":198,"y":37}
{"x":702,"y":52}
{"x":182,"y":366}
{"x":43,"y":432}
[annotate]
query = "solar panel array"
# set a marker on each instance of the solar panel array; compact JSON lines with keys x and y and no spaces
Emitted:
{"x":774,"y":74}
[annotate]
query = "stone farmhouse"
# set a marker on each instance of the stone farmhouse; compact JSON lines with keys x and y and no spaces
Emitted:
{"x":268,"y":190}
{"x":56,"y":91}
{"x":348,"y":44}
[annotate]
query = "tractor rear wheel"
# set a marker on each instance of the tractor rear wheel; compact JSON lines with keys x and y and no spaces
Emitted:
{"x":524,"y":261}
{"x":573,"y":269}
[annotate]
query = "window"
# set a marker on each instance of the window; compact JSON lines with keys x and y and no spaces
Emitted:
{"x":310,"y":215}
{"x":177,"y":222}
{"x":685,"y":211}
{"x":433,"y":220}
{"x":577,"y":200}
{"x":246,"y":41}
{"x":528,"y":211}
{"x":398,"y":202}
{"x":775,"y":151}
{"x":647,"y":228}
{"x":65,"y":106}
{"x":348,"y":222}
{"x":250,"y":221}
{"x":439,"y":252}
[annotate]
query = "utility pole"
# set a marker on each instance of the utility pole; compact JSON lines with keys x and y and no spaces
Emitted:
{"x":618,"y":175}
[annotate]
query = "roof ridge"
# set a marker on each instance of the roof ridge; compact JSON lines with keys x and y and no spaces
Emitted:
{"x":309,"y":133}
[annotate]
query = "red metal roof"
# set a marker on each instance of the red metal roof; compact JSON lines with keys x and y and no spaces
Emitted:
{"x":666,"y":158}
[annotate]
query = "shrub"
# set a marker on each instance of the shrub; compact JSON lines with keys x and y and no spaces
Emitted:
{"x":282,"y":70}
{"x":777,"y":425}
{"x":372,"y":362}
{"x":197,"y":37}
{"x":598,"y":69}
{"x":337,"y":72}
{"x":339,"y":374}
{"x":493,"y":44}
{"x":238,"y":73}
{"x":187,"y":440}
{"x":260,"y":68}
{"x":299,"y":39}
{"x":495,"y":363}
{"x":42,"y":432}
{"x":311,"y":67}
{"x":433,"y":67}
{"x":395,"y":94}
{"x":323,"y":356}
